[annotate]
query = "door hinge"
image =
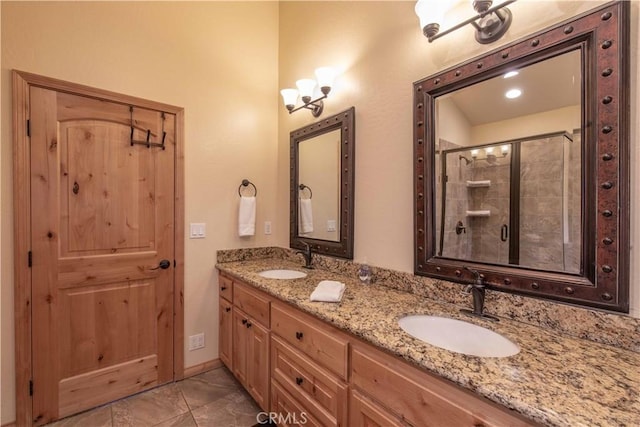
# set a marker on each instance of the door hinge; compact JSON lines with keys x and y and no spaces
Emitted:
{"x":30,"y":258}
{"x":30,"y":387}
{"x":29,"y":128}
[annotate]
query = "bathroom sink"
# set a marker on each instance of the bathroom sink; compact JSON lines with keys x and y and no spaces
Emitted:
{"x":458,"y":336}
{"x":282,"y":274}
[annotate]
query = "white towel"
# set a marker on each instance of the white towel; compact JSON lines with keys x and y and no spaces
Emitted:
{"x":328,"y":291}
{"x":305,"y":216}
{"x":247,"y":216}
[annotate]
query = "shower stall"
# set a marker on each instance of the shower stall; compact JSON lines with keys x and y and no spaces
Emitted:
{"x":515,"y":202}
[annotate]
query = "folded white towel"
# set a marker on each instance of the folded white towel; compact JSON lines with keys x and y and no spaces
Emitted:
{"x":247,"y":216}
{"x":306,"y":216}
{"x":328,"y":291}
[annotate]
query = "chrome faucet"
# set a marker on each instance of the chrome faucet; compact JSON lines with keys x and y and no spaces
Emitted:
{"x":307,"y":254}
{"x":477,"y":290}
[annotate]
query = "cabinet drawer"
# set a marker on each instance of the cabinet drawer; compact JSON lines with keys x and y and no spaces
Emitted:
{"x":421,"y":398}
{"x":251,"y":302}
{"x":364,"y":413}
{"x":226,"y":287}
{"x":309,"y":336}
{"x":319,"y":391}
{"x":286,"y":411}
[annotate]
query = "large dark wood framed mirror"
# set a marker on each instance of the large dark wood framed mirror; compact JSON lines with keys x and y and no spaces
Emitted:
{"x":322,"y":191}
{"x":532,"y":191}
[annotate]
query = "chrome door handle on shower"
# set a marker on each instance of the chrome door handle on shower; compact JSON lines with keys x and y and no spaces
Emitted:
{"x":504,"y":232}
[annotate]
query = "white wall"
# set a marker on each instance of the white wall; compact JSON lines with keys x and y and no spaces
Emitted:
{"x":218,"y":60}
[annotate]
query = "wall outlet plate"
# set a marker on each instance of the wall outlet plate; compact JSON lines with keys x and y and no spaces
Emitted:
{"x":196,"y":341}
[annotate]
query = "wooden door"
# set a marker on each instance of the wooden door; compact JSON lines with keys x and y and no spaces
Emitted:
{"x":240,"y":346}
{"x":225,"y":332}
{"x":258,"y":364}
{"x":102,"y":222}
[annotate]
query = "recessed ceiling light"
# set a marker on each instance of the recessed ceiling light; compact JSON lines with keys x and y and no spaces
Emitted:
{"x":510,"y":74}
{"x":513,"y":93}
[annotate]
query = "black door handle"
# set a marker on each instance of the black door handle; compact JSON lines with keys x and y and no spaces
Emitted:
{"x":504,"y":232}
{"x":164,"y":264}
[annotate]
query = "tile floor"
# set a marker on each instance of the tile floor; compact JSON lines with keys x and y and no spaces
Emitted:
{"x":210,"y":399}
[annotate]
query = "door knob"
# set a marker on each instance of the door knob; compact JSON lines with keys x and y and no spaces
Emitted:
{"x":164,"y":264}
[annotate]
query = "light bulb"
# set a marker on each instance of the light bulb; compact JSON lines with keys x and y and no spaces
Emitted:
{"x":325,"y":76}
{"x":290,"y":97}
{"x":306,"y":86}
{"x":474,"y":153}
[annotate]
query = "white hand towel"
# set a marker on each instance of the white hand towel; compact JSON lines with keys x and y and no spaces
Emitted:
{"x":328,"y":291}
{"x":247,"y":216}
{"x":305,"y":216}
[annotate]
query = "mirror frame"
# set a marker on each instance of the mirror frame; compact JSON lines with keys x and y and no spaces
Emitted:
{"x":603,"y":282}
{"x":345,"y":121}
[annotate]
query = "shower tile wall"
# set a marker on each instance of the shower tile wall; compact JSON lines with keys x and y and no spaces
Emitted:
{"x":486,"y":244}
{"x":572,"y":248}
{"x":542,"y":203}
{"x":454,"y":245}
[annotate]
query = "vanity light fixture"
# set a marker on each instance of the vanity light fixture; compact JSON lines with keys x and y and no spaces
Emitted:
{"x":490,"y":22}
{"x":306,"y":87}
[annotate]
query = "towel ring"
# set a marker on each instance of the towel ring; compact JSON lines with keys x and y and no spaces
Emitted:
{"x":302,"y":187}
{"x":246,"y":183}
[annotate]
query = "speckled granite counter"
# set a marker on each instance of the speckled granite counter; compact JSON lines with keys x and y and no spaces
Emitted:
{"x":555,"y":379}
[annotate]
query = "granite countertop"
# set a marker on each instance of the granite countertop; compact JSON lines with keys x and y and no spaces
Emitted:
{"x":555,"y":379}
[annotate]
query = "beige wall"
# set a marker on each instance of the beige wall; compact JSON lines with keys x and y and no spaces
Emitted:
{"x":218,"y":61}
{"x":224,"y":62}
{"x":381,"y":51}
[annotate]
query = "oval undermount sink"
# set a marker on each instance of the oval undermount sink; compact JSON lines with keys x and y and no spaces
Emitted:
{"x":282,"y":274}
{"x":458,"y":336}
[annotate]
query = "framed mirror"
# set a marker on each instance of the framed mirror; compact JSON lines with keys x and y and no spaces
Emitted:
{"x":321,"y":188}
{"x":522,"y":165}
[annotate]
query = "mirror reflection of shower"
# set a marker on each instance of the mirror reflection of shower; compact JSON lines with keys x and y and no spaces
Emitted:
{"x":514,"y":202}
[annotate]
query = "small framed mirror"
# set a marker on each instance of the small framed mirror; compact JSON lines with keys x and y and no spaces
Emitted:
{"x":522,"y":165}
{"x":321,"y":188}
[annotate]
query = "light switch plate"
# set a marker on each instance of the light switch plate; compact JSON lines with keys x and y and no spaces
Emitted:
{"x":197,"y":230}
{"x":331,"y":225}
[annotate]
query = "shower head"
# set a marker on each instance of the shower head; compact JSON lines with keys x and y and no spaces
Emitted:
{"x":460,"y":157}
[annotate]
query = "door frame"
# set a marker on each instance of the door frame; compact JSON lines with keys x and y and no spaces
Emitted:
{"x":22,"y":81}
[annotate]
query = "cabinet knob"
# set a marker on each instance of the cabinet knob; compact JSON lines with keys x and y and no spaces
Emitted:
{"x":299,"y":335}
{"x":228,"y":309}
{"x":244,"y":321}
{"x":299,"y":380}
{"x":223,"y":288}
{"x":248,"y":324}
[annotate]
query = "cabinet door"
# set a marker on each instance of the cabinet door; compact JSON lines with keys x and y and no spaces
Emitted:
{"x":240,"y":345}
{"x":226,"y":333}
{"x":258,"y":363}
{"x":364,"y":413}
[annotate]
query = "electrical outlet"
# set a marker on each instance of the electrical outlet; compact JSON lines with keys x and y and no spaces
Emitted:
{"x":196,"y":341}
{"x":267,"y":227}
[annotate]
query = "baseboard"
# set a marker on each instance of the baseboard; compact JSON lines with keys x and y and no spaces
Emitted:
{"x":200,"y":368}
{"x":11,"y":424}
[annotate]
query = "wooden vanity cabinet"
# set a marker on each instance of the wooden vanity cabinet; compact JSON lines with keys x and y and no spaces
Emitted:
{"x":225,"y":334}
{"x":309,"y":360}
{"x":309,"y":372}
{"x":225,"y":320}
{"x":244,"y":336}
{"x":417,"y":397}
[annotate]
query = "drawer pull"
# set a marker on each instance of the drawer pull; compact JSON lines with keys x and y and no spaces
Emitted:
{"x":228,"y":309}
{"x":244,"y":321}
{"x":299,"y":380}
{"x":248,"y":324}
{"x":224,"y":288}
{"x":299,"y":335}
